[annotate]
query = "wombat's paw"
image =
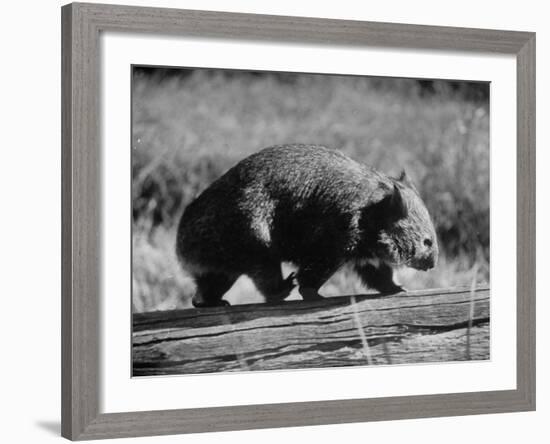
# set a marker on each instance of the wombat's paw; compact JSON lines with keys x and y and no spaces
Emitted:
{"x":310,"y":294}
{"x":285,"y":288}
{"x":392,"y":289}
{"x":290,"y":281}
{"x":203,"y":303}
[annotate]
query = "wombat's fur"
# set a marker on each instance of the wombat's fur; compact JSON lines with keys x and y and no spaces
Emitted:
{"x":308,"y":205}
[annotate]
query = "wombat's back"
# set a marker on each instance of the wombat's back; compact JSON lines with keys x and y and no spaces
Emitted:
{"x":298,"y":174}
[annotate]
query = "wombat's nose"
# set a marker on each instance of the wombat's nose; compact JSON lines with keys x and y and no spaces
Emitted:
{"x":431,"y":262}
{"x":427,"y":262}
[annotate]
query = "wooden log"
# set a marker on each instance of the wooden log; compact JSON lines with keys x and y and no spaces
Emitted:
{"x":420,"y":326}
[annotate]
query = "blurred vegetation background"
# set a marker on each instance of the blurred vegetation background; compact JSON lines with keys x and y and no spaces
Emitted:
{"x":190,"y":125}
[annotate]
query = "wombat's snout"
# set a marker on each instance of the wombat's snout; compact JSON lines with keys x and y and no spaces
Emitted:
{"x":426,"y":262}
{"x":426,"y":258}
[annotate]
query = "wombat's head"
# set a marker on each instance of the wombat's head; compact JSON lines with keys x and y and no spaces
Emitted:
{"x":405,"y":234}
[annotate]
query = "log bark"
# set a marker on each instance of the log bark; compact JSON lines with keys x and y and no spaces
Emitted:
{"x":422,"y":326}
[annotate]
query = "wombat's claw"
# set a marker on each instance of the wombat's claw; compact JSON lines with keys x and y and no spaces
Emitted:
{"x":291,"y":280}
{"x":288,"y":285}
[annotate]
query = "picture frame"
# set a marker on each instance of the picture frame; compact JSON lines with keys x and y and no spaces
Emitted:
{"x":81,"y":232}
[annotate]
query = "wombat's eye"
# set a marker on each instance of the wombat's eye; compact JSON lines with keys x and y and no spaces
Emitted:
{"x":428,"y":242}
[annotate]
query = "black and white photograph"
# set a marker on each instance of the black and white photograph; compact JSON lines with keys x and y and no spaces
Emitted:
{"x":300,"y":220}
{"x":275,"y":222}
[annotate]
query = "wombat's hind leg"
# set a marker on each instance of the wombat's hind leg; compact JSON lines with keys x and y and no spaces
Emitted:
{"x":312,"y":277}
{"x":378,"y":277}
{"x":269,"y":281}
{"x":210,"y":289}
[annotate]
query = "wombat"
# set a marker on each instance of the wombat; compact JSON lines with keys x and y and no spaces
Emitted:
{"x":308,"y":205}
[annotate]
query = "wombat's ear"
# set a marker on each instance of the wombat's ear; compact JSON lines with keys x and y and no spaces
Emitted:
{"x":406,"y":180}
{"x":393,"y":204}
{"x":389,"y":209}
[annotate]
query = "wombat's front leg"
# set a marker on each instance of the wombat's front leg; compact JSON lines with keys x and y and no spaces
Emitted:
{"x":378,"y":277}
{"x":210,"y":289}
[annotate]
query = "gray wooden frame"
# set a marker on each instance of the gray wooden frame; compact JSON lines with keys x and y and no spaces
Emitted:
{"x":81,"y":231}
